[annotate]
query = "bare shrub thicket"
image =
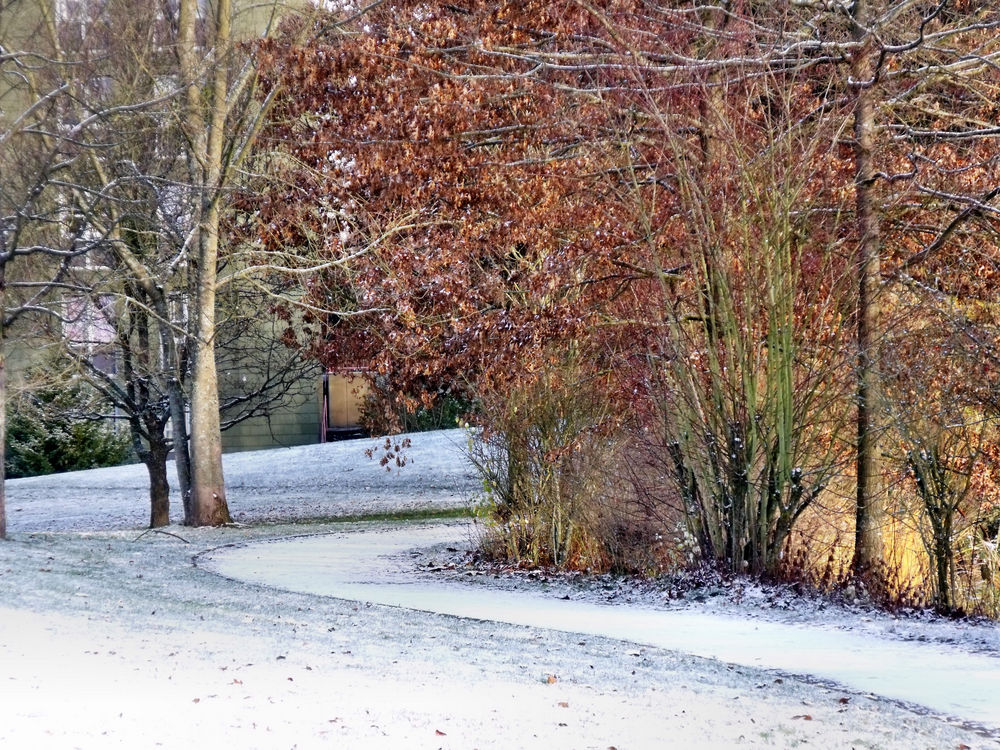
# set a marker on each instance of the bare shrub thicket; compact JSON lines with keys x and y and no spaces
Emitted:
{"x":549,"y":485}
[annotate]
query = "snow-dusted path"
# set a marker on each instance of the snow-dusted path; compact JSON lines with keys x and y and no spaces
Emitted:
{"x":372,"y":567}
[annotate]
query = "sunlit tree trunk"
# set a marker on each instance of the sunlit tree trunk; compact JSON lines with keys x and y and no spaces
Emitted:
{"x":870,"y":493}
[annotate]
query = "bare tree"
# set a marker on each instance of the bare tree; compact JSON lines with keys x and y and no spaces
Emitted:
{"x":124,"y":190}
{"x":206,"y":105}
{"x":40,"y":239}
{"x":220,"y":118}
{"x":120,"y":345}
{"x":178,"y":115}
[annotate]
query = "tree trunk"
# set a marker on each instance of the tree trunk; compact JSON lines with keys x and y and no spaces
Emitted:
{"x":208,"y":492}
{"x":182,"y":455}
{"x":942,"y":560}
{"x":3,"y":405}
{"x":159,"y":487}
{"x":870,"y":510}
{"x":174,"y":365}
{"x":208,"y":489}
{"x":3,"y":426}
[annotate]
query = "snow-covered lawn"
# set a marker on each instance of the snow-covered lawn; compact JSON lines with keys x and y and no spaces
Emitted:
{"x":112,"y":639}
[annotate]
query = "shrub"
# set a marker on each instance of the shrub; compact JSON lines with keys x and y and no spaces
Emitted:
{"x":550,"y":455}
{"x":46,"y":434}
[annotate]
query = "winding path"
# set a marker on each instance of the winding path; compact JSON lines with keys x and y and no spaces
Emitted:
{"x":372,"y":566}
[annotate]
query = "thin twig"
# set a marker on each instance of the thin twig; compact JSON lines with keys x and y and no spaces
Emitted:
{"x":161,"y":531}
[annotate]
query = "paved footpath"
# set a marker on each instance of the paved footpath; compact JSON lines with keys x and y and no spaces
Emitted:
{"x":371,"y":566}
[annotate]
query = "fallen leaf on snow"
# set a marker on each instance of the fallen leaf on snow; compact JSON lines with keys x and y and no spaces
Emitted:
{"x":439,"y":733}
{"x":804,"y":717}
